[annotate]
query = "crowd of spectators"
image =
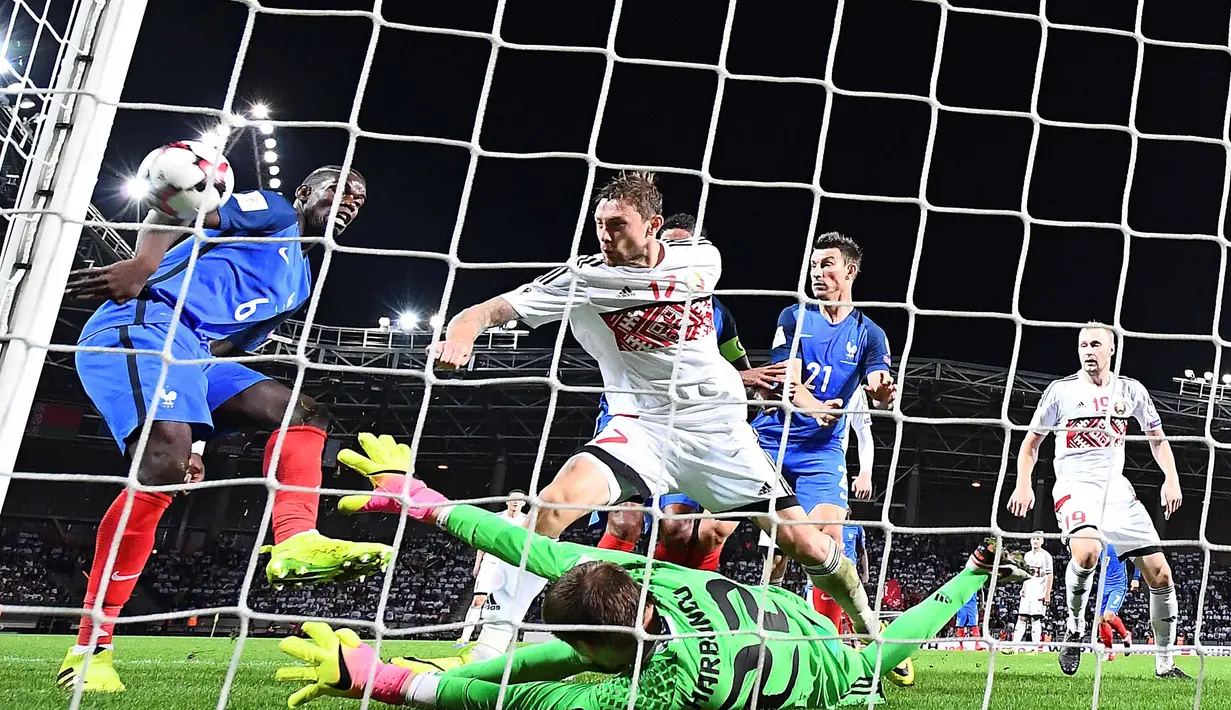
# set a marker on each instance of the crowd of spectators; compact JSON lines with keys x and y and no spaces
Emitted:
{"x":432,"y":580}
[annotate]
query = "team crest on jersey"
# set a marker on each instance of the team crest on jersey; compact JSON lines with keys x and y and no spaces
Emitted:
{"x":1120,"y":408}
{"x":658,"y":325}
{"x":851,"y":350}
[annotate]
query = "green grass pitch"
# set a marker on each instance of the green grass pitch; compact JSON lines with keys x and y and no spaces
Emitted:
{"x":187,"y":674}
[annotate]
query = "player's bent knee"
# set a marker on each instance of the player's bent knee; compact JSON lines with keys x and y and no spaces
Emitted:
{"x":308,"y":412}
{"x":675,"y":534}
{"x":164,"y":461}
{"x":625,"y":525}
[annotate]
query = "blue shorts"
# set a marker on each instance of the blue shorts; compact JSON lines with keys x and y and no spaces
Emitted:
{"x":1113,"y":599}
{"x":598,"y":519}
{"x":818,"y":476}
{"x":967,"y":617}
{"x":122,"y":385}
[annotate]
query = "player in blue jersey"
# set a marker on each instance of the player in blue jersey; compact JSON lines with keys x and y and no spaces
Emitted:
{"x":235,"y":294}
{"x":690,"y":542}
{"x":1115,"y":587}
{"x":842,"y":352}
{"x":966,"y":624}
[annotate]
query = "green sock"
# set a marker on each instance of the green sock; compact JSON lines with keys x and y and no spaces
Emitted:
{"x":924,"y":620}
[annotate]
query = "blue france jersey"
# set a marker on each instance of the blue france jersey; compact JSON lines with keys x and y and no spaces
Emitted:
{"x":240,"y":291}
{"x":852,"y":537}
{"x":1115,"y":571}
{"x":837,"y":359}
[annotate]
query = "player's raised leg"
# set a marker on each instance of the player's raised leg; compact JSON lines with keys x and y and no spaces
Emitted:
{"x":927,"y":618}
{"x":299,"y":555}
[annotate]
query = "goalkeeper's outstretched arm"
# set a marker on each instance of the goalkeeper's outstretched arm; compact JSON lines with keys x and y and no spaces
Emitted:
{"x":547,"y":558}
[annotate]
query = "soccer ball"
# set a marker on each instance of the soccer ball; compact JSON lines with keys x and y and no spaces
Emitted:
{"x":185,"y":178}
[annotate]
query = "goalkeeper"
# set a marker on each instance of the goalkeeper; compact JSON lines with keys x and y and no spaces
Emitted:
{"x":805,"y":664}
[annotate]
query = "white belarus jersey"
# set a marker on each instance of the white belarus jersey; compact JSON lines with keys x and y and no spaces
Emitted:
{"x":1096,"y":419}
{"x":631,"y":319}
{"x":1040,"y":564}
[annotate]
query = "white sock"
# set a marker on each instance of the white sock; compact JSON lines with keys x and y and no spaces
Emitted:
{"x":1019,"y":631}
{"x":1163,"y":611}
{"x":1036,"y":628}
{"x":472,"y":619}
{"x":836,"y":576}
{"x":1077,"y":592}
{"x":507,"y":608}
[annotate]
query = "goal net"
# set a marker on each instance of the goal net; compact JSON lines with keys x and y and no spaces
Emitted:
{"x":1013,"y":170}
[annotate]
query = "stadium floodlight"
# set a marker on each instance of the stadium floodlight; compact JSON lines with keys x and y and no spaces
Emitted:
{"x":1226,"y":379}
{"x":275,"y":183}
{"x":1209,"y":377}
{"x":270,"y":144}
{"x":274,"y":170}
{"x":1189,"y":374}
{"x":260,"y":112}
{"x":383,"y":321}
{"x":237,"y":121}
{"x":436,"y":320}
{"x":26,"y":103}
{"x":135,"y":188}
{"x":408,"y":320}
{"x":510,"y":325}
{"x":267,"y":129}
{"x":443,"y":466}
{"x":15,"y":86}
{"x":976,"y":484}
{"x":271,"y":157}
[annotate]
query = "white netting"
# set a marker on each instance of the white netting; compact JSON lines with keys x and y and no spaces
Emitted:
{"x":21,"y":344}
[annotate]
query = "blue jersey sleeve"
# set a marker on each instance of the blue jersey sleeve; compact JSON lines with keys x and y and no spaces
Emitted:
{"x":784,"y":335}
{"x":256,"y":214}
{"x":876,"y":350}
{"x":728,"y":335}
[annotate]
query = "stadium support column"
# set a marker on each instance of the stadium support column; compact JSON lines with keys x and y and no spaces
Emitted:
{"x":1040,"y":508}
{"x":500,"y":470}
{"x":59,"y":181}
{"x":912,"y":497}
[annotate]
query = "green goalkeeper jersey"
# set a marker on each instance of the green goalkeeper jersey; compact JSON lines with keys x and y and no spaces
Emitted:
{"x":712,"y":669}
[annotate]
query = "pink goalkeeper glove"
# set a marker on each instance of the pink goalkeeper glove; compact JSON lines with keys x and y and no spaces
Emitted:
{"x":386,"y":464}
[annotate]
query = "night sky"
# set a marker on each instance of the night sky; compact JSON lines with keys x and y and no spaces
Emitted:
{"x":426,"y":84}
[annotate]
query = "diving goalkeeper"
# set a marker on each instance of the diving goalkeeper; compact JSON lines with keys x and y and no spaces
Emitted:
{"x":602,"y":588}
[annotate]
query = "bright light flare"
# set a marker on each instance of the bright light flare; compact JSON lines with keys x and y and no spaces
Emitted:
{"x":384,"y":321}
{"x":275,"y":183}
{"x":270,"y":144}
{"x":267,"y":129}
{"x":135,"y":188}
{"x":408,"y":320}
{"x":260,"y":112}
{"x":271,"y":157}
{"x":436,"y":320}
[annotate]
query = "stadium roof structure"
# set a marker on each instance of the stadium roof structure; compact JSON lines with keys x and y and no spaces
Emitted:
{"x":372,"y":379}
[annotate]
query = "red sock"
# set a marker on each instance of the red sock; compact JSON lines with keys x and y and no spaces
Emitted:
{"x":1119,"y":627}
{"x":1104,"y":633}
{"x":611,"y":542}
{"x":136,"y":544}
{"x":706,"y":560}
{"x":298,"y":465}
{"x":825,"y":604}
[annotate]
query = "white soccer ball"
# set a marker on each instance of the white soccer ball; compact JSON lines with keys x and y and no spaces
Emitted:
{"x":186,"y":178}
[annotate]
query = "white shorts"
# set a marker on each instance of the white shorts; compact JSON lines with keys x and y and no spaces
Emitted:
{"x":722,"y":470}
{"x":1031,"y":607}
{"x":1121,"y":518}
{"x":491,"y":575}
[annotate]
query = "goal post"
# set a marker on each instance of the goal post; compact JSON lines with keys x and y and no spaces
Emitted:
{"x":46,"y":223}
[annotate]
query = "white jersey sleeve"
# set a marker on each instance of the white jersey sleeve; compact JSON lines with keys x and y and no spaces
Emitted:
{"x":547,"y":298}
{"x":1047,"y":414}
{"x":1143,"y":406}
